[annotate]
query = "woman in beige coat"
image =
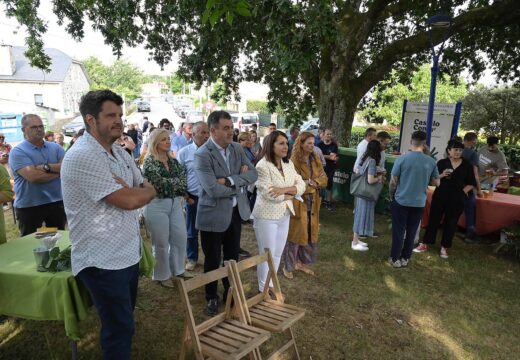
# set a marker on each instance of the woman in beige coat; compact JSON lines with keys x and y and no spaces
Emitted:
{"x":303,"y":227}
{"x":278,"y":183}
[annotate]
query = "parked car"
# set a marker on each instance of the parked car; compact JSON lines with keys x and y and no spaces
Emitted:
{"x":312,"y":125}
{"x":194,"y":116}
{"x":143,"y":106}
{"x":74,"y":126}
{"x":243,"y":121}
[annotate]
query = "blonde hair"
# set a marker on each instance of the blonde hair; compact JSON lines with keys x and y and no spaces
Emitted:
{"x":297,"y":152}
{"x":243,"y":136}
{"x":155,"y":137}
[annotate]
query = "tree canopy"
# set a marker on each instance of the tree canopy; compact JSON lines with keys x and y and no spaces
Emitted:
{"x":121,"y":77}
{"x":314,"y":55}
{"x":386,"y":100}
{"x":495,"y":111}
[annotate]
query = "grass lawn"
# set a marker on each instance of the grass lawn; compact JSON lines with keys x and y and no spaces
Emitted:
{"x":465,"y":307}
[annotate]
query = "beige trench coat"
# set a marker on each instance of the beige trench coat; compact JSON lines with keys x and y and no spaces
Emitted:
{"x":299,"y":221}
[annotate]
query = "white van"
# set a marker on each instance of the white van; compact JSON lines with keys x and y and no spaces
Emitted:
{"x":243,"y":121}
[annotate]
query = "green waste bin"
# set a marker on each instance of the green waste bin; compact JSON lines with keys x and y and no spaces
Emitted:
{"x":343,"y":173}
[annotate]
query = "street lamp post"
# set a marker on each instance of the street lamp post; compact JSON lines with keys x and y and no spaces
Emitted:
{"x":436,"y":21}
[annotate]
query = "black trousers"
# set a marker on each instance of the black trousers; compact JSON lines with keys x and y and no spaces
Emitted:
{"x":31,"y":218}
{"x":451,"y":205}
{"x":214,"y":243}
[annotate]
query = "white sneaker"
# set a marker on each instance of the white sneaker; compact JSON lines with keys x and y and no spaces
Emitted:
{"x":362,"y":243}
{"x":359,"y":247}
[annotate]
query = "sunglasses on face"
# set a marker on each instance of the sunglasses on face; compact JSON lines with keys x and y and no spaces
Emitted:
{"x":2,"y":137}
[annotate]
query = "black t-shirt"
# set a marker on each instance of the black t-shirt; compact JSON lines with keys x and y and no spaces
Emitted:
{"x":460,"y":177}
{"x":327,"y":149}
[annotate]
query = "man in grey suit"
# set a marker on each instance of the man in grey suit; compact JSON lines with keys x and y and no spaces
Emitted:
{"x":224,"y":173}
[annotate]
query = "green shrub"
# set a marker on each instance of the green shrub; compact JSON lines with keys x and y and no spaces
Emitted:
{"x":512,"y":153}
{"x":258,"y":106}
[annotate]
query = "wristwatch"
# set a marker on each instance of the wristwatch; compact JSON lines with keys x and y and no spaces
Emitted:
{"x":227,"y":182}
{"x":46,"y":168}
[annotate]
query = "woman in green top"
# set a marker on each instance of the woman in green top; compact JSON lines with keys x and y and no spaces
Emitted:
{"x":6,"y":195}
{"x":163,"y":215}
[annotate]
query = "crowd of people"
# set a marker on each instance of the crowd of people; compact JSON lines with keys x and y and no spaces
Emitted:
{"x":205,"y":179}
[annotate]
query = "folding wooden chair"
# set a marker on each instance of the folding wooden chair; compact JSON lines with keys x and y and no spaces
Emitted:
{"x":220,"y":337}
{"x":263,"y":312}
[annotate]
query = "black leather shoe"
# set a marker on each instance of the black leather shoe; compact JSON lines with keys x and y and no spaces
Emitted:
{"x":244,"y":253}
{"x":212,"y":307}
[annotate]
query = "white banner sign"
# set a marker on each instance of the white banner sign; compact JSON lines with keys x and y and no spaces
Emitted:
{"x":442,"y":126}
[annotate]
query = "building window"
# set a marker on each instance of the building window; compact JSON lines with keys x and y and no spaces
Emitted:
{"x":38,"y":99}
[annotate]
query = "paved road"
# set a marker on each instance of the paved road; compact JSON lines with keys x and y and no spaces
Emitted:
{"x":159,"y":109}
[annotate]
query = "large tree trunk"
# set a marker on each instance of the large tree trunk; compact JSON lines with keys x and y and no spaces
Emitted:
{"x":337,"y":104}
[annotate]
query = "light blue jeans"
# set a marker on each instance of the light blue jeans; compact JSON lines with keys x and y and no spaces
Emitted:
{"x":165,"y":222}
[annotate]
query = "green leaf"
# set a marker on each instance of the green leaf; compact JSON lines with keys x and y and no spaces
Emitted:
{"x":243,"y":11}
{"x":54,"y":253}
{"x":210,"y":4}
{"x":205,"y":16}
{"x":213,"y":18}
{"x":229,"y":18}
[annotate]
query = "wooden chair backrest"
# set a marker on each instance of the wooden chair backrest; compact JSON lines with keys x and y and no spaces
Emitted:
{"x":271,"y":276}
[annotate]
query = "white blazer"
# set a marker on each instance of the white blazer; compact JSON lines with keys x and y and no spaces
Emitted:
{"x":270,"y":207}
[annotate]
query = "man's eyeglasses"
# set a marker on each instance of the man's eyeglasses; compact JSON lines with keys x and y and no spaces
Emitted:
{"x":2,"y":137}
{"x":35,"y":127}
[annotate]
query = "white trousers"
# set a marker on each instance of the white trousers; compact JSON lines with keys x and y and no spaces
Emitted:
{"x":165,"y":221}
{"x":271,"y":234}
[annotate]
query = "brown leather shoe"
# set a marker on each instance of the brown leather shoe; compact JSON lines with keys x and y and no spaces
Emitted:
{"x":288,"y":274}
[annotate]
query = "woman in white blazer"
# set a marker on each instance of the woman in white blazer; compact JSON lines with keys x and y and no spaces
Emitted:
{"x":277,"y":185}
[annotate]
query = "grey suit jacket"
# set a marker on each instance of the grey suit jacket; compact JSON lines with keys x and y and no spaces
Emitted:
{"x":215,"y":206}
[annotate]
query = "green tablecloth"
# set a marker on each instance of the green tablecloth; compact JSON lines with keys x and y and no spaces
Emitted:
{"x":341,"y":183}
{"x":29,"y":294}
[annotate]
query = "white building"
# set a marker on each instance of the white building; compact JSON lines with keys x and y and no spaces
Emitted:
{"x":26,"y":89}
{"x":248,"y":91}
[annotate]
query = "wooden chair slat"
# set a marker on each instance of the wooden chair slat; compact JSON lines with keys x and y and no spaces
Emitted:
{"x":267,"y":314}
{"x":213,"y":352}
{"x":267,"y":319}
{"x":260,"y":311}
{"x":233,"y":342}
{"x":231,"y":335}
{"x":257,"y":299}
{"x":250,"y":262}
{"x":274,"y":311}
{"x":265,"y":325}
{"x":206,"y":278}
{"x":208,"y":324}
{"x":207,"y":340}
{"x":283,"y":307}
{"x":220,"y":337}
{"x":231,"y":325}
